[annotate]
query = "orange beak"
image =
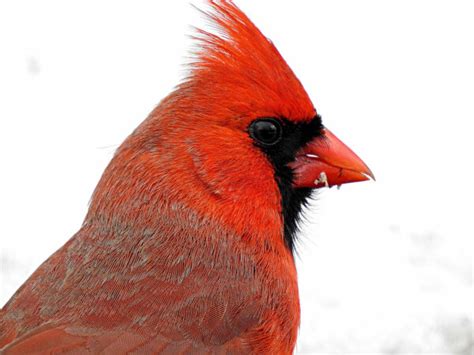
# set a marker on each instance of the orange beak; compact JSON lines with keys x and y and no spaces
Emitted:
{"x":327,"y":161}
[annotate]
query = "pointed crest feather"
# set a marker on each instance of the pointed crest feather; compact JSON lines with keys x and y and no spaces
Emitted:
{"x":239,"y":60}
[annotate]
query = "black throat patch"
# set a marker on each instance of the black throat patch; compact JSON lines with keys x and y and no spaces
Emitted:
{"x":294,"y":137}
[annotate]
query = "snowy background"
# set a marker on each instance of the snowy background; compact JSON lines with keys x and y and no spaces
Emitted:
{"x":384,"y":267}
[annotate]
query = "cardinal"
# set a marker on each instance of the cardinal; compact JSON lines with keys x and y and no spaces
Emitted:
{"x":188,"y":244}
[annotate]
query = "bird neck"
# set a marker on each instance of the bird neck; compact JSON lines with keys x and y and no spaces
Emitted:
{"x":145,"y":189}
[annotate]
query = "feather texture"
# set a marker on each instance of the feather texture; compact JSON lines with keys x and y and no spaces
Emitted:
{"x":182,"y":249}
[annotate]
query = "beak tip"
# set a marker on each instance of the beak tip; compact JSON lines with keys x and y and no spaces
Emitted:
{"x":370,"y":174}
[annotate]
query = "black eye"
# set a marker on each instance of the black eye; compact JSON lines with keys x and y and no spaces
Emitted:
{"x":266,"y":131}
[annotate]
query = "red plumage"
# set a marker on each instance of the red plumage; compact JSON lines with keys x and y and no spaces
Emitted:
{"x":182,"y":248}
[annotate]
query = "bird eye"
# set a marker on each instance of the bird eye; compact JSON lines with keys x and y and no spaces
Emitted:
{"x":266,"y":131}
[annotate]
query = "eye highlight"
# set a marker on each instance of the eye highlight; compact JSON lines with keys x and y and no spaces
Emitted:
{"x":266,"y":131}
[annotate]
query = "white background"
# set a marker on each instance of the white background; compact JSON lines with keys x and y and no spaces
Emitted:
{"x":384,"y":267}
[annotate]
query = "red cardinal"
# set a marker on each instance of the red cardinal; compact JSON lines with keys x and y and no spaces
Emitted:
{"x":188,"y":243}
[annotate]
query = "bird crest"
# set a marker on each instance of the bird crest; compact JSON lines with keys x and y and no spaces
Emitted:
{"x":238,"y":62}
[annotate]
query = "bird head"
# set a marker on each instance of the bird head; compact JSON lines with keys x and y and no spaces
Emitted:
{"x":239,"y":138}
